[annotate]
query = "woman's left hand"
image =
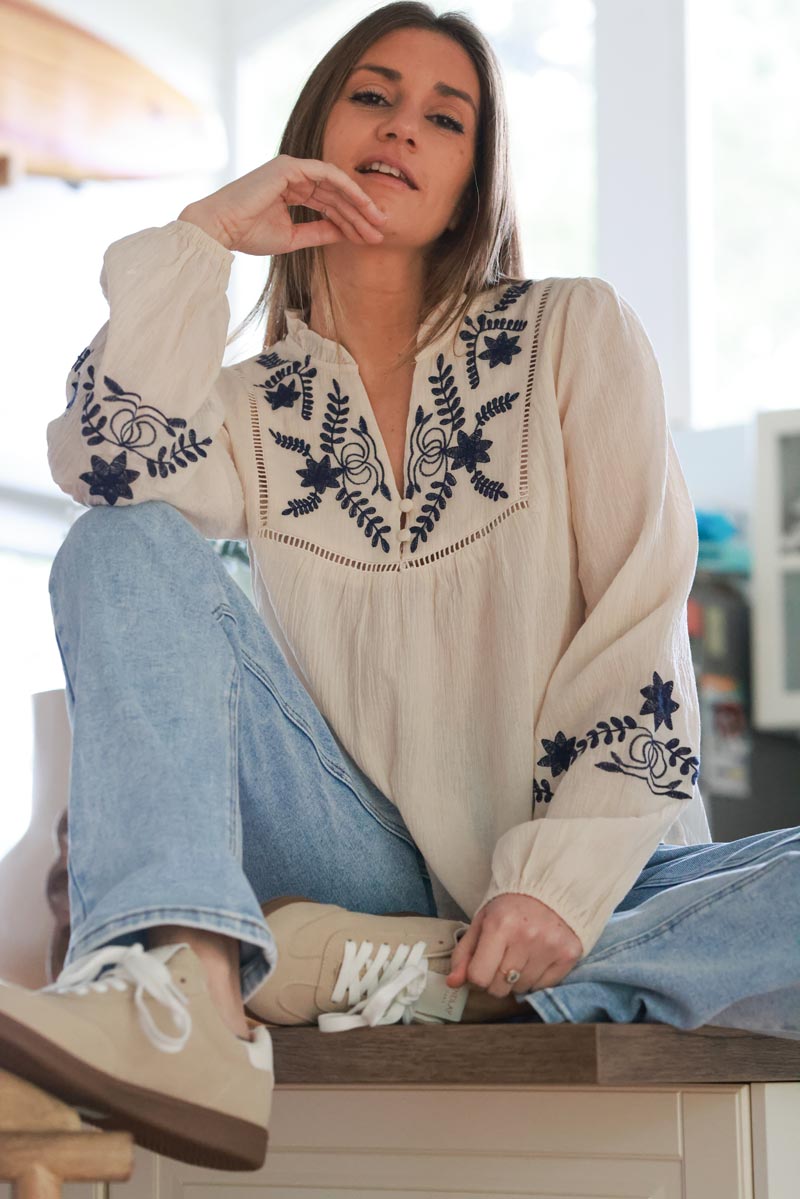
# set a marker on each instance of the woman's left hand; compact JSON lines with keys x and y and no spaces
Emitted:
{"x":514,"y":932}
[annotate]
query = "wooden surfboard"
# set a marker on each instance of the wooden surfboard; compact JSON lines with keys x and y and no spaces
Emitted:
{"x":75,"y":107}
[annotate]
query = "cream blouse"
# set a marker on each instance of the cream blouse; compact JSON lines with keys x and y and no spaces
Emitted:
{"x":512,"y":670}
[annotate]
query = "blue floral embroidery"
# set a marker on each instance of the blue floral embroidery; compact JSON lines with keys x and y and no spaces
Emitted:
{"x":76,"y":366}
{"x":501,"y":348}
{"x":432,"y":450}
{"x":280,"y":389}
{"x":648,"y":758}
{"x":357,"y":463}
{"x":133,"y":426}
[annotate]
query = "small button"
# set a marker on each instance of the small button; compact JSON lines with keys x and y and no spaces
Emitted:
{"x":404,"y":535}
{"x":406,"y":505}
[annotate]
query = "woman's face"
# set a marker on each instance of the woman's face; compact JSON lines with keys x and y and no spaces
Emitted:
{"x":403,"y":107}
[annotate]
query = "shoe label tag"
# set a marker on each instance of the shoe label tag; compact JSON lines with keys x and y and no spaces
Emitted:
{"x":446,"y":1003}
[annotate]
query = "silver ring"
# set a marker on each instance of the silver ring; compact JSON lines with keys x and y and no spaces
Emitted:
{"x":513,"y":976}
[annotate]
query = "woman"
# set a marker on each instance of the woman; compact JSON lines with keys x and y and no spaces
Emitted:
{"x":470,"y":542}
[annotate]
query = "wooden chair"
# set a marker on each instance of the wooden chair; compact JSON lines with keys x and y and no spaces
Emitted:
{"x":44,"y":1143}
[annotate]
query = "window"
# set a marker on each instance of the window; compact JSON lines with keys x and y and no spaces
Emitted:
{"x":753,"y":60}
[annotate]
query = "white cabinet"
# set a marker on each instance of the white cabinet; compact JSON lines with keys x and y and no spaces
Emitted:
{"x":407,"y":1142}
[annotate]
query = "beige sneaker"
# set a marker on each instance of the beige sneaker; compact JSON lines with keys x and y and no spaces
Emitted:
{"x":342,"y":970}
{"x":144,"y":1049}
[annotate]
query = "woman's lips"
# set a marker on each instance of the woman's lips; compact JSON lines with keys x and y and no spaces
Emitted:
{"x":384,"y":175}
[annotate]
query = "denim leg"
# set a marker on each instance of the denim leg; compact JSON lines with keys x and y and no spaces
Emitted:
{"x":708,"y":934}
{"x":204,"y":781}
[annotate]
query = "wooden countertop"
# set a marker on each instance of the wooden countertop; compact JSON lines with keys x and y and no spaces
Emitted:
{"x":525,"y":1053}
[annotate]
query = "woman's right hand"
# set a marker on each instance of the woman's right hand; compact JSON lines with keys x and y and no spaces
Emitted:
{"x":251,"y":214}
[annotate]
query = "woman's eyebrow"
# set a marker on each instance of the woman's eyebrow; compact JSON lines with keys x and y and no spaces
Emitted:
{"x":444,"y":89}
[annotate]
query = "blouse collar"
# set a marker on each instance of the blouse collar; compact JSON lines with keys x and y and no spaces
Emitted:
{"x":307,"y":341}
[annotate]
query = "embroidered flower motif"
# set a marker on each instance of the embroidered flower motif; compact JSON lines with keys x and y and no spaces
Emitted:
{"x":281,"y":390}
{"x":358,"y":463}
{"x":648,"y":758}
{"x":470,"y":450}
{"x":133,"y":426}
{"x":110,"y":480}
{"x":320,"y":475}
{"x":432,"y":452}
{"x":501,"y":349}
{"x":659,"y":702}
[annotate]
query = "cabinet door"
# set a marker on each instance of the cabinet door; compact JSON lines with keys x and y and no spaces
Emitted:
{"x":411,"y":1143}
{"x":776,"y":1139}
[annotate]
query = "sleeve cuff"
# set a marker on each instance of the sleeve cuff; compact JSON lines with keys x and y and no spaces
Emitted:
{"x":201,"y":240}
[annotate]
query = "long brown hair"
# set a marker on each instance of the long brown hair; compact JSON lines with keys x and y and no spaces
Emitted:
{"x":484,"y":247}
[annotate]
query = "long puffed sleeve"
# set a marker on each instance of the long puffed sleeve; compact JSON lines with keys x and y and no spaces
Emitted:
{"x":148,"y":399}
{"x":618,"y":734}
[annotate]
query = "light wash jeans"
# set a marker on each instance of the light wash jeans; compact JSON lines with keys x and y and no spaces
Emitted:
{"x":204,"y":781}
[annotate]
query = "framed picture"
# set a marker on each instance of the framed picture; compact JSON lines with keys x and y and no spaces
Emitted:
{"x":776,"y":572}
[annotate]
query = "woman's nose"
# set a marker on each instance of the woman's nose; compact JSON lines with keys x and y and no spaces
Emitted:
{"x":402,"y":125}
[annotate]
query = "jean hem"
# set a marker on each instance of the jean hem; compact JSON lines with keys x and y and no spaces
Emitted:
{"x":241,"y":928}
{"x":545,"y":1004}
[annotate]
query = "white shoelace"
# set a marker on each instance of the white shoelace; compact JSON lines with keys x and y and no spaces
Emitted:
{"x":385,"y":994}
{"x":132,"y":965}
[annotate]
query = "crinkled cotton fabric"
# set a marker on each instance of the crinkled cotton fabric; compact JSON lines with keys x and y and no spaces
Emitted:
{"x":503,"y":648}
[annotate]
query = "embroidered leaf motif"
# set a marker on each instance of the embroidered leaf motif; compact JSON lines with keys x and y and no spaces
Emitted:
{"x":300,"y":507}
{"x":648,"y":758}
{"x":270,"y":361}
{"x":491,"y":488}
{"x":367,"y":521}
{"x":76,"y":369}
{"x":334,"y":421}
{"x":511,"y":294}
{"x":495,"y":407}
{"x":292,"y":443}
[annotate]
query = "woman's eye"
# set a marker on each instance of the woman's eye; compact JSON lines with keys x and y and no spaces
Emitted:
{"x":367,"y":96}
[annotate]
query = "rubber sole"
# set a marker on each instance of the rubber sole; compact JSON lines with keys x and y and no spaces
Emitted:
{"x":172,"y":1127}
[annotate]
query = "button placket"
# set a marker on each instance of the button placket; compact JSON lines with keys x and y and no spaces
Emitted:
{"x":403,"y":534}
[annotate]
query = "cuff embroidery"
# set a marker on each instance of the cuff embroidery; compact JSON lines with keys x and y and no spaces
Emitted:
{"x":648,"y":758}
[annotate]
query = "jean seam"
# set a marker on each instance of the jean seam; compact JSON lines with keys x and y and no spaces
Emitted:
{"x":71,"y":874}
{"x":59,"y":640}
{"x":234,"y":810}
{"x":758,"y":852}
{"x":287,"y":708}
{"x":324,"y":760}
{"x":676,"y":917}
